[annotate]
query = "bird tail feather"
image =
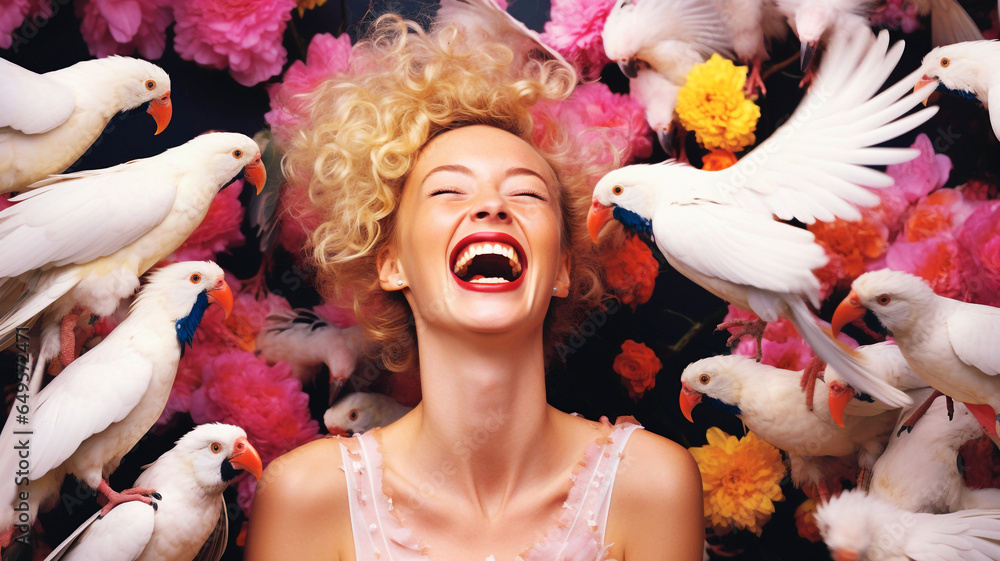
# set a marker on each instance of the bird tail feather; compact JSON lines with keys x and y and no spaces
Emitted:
{"x":41,"y":291}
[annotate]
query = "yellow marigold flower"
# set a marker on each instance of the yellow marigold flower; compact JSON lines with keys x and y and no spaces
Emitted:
{"x":712,"y":104}
{"x":740,"y":478}
{"x":304,"y":5}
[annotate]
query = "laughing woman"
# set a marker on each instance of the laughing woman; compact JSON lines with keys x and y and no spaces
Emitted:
{"x":463,"y":247}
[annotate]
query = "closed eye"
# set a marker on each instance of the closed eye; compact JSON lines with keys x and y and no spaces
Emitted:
{"x":534,"y":194}
{"x":443,"y":191}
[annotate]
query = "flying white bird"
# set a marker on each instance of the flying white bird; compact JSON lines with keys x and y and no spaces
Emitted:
{"x":359,"y":412}
{"x":919,"y":470}
{"x":669,"y":36}
{"x":967,"y":69}
{"x":948,"y":343}
{"x":817,"y":21}
{"x":91,"y":415}
{"x":769,"y":402}
{"x":718,"y":228}
{"x":189,"y":519}
{"x":752,"y":25}
{"x":47,"y":121}
{"x":82,"y":240}
{"x":307,"y":342}
{"x":855,"y":527}
{"x":886,"y":362}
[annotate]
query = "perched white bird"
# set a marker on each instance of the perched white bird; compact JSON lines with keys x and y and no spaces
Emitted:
{"x":82,"y":240}
{"x":189,"y":520}
{"x":950,"y":23}
{"x":658,"y":96}
{"x":967,"y":69}
{"x":91,"y":415}
{"x":816,"y":21}
{"x":47,"y":121}
{"x":859,"y":527}
{"x":919,"y":471}
{"x":948,"y":343}
{"x":667,"y":35}
{"x":718,"y":228}
{"x":360,"y":411}
{"x":769,"y":402}
{"x":752,"y":25}
{"x":307,"y":342}
{"x":886,"y":362}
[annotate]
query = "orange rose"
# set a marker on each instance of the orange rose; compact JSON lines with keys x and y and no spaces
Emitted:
{"x":637,"y":365}
{"x":718,"y":160}
{"x":805,"y":521}
{"x":631,"y":272}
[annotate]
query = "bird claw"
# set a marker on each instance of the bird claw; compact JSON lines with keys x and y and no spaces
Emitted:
{"x":907,"y":428}
{"x":115,"y":498}
{"x":750,"y":327}
{"x":156,"y":496}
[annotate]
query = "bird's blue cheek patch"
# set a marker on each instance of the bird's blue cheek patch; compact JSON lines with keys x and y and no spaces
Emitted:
{"x":961,"y":93}
{"x":722,"y":405}
{"x":633,"y":221}
{"x":862,"y":396}
{"x":189,"y":323}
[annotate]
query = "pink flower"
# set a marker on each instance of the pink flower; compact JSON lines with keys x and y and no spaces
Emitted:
{"x":921,"y":175}
{"x":979,"y":239}
{"x":120,"y":27}
{"x":243,"y":35}
{"x":219,"y":231}
{"x":335,"y":315}
{"x":12,"y":14}
{"x":781,"y":347}
{"x":935,"y":259}
{"x":327,"y":56}
{"x":596,"y":116}
{"x":896,"y":14}
{"x":266,"y":401}
{"x":575,"y":31}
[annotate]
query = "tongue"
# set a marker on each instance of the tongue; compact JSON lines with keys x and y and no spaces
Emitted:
{"x":477,"y":277}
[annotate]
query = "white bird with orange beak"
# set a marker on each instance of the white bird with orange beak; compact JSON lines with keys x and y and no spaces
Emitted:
{"x":82,"y":240}
{"x":769,"y":402}
{"x":888,"y":364}
{"x":100,"y":406}
{"x":47,"y":121}
{"x":718,"y":228}
{"x":860,"y":527}
{"x":967,"y":69}
{"x":188,"y":521}
{"x":948,"y":343}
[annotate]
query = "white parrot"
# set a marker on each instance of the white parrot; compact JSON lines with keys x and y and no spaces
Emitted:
{"x":189,"y":520}
{"x":859,"y":527}
{"x":98,"y":408}
{"x":360,"y":411}
{"x":816,"y":21}
{"x":307,"y":342}
{"x":82,"y":240}
{"x":47,"y":121}
{"x":886,"y":362}
{"x":969,"y":70}
{"x":919,"y":471}
{"x":752,"y":25}
{"x":718,"y":228}
{"x":948,"y":343}
{"x":658,"y":96}
{"x":769,"y":402}
{"x":669,"y":36}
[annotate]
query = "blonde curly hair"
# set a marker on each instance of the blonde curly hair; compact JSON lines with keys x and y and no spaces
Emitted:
{"x":367,"y":129}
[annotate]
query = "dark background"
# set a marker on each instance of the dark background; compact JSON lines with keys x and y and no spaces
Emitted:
{"x":205,"y":99}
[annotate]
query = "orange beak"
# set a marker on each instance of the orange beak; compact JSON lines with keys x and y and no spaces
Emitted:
{"x":850,"y":310}
{"x":161,"y":110}
{"x":925,"y":80}
{"x":838,"y":398}
{"x":245,"y":457}
{"x":221,"y":295}
{"x":598,"y":218}
{"x":688,"y":398}
{"x":256,"y":174}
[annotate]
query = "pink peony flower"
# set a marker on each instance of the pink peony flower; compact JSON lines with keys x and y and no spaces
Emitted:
{"x":781,"y":347}
{"x":243,"y":35}
{"x":575,"y":31}
{"x":120,"y":27}
{"x":597,"y":116}
{"x":979,"y":240}
{"x":923,"y":174}
{"x":935,"y":259}
{"x":219,"y":231}
{"x":266,"y":401}
{"x":978,"y":190}
{"x":327,"y":56}
{"x":13,"y":13}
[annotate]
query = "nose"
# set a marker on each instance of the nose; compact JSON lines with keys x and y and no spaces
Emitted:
{"x":490,"y":206}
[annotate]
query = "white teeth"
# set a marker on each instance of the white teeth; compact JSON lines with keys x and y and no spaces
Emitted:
{"x":461,"y":266}
{"x":491,"y":280}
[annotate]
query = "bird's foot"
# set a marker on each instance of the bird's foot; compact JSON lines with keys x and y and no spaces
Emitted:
{"x":257,"y":284}
{"x":812,"y":372}
{"x":807,"y":80}
{"x":918,"y":413}
{"x":67,"y":335}
{"x":115,"y":498}
{"x":747,"y":327}
{"x":864,"y":478}
{"x":755,"y":83}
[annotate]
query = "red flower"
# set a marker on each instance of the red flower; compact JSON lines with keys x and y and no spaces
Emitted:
{"x":631,"y":272}
{"x":637,"y":365}
{"x":805,"y":521}
{"x":850,"y":245}
{"x":718,"y":159}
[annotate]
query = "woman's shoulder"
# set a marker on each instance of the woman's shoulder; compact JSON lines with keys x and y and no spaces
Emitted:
{"x":312,"y":472}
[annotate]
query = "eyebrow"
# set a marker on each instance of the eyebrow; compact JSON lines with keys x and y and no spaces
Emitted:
{"x":457,"y":168}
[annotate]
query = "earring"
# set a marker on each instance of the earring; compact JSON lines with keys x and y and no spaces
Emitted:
{"x":399,"y":282}
{"x":555,"y":290}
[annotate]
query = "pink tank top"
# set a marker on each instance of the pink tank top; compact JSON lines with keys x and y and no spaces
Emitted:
{"x":578,"y":535}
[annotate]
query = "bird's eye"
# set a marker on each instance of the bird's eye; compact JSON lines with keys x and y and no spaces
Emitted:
{"x":884,"y":299}
{"x":704,"y":378}
{"x":195,"y":278}
{"x":150,"y":85}
{"x":216,"y":448}
{"x":353,"y":415}
{"x":237,"y":153}
{"x":618,"y":189}
{"x":945,"y":62}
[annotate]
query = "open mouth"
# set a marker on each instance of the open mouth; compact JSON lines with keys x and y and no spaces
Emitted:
{"x":488,"y":260}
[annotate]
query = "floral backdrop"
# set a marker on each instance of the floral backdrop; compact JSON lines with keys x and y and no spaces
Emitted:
{"x":239,"y":65}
